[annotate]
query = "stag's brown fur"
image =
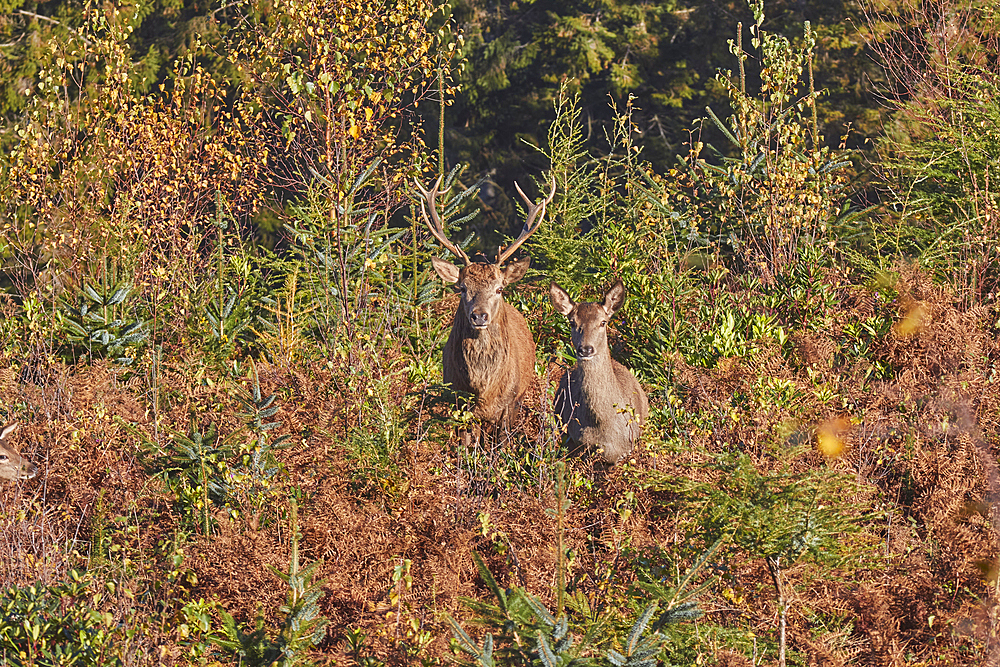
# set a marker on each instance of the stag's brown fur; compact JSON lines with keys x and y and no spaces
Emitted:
{"x":599,"y":401}
{"x":490,"y":351}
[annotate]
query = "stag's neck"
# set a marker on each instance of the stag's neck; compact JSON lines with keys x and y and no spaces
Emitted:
{"x":484,"y":348}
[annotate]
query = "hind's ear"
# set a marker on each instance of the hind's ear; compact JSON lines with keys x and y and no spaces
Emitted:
{"x":561,"y":300}
{"x":615,"y":297}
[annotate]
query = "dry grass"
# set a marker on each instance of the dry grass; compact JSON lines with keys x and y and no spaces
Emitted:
{"x":915,"y":447}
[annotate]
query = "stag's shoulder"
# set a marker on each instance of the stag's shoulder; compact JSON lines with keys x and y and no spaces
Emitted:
{"x":516,"y":327}
{"x":514,"y":317}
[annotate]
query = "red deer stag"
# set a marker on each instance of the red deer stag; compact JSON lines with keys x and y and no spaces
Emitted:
{"x":490,"y":352}
{"x":599,"y":401}
{"x":12,"y":466}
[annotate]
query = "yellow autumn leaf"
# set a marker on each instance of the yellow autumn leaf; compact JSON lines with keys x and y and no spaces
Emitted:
{"x":913,"y":319}
{"x":354,"y":131}
{"x":829,"y":437}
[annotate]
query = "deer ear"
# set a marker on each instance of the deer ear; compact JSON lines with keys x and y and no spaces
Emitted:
{"x":446,"y":270}
{"x":561,"y":300}
{"x":615,"y":297}
{"x":516,"y":270}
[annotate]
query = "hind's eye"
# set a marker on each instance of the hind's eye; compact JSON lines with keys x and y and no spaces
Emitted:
{"x":3,"y":458}
{"x":462,"y":287}
{"x":604,"y":323}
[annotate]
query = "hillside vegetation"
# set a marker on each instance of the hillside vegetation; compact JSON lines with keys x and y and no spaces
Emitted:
{"x":222,"y":338}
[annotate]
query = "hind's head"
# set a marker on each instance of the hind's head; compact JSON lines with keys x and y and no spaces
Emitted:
{"x":12,"y":465}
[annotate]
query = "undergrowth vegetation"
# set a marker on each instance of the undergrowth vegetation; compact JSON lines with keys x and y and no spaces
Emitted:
{"x":222,"y":340}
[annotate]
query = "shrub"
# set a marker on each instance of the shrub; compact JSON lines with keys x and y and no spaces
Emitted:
{"x":58,"y":625}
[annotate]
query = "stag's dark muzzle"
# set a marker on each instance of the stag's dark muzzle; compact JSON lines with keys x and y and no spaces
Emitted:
{"x":479,"y":320}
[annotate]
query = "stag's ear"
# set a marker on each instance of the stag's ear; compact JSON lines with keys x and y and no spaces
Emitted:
{"x":446,"y":270}
{"x":615,"y":297}
{"x":516,"y":270}
{"x":561,"y":299}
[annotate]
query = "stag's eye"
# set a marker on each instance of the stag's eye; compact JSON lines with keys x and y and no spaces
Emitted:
{"x":604,"y":323}
{"x":3,"y":458}
{"x":462,"y":287}
{"x":499,"y":290}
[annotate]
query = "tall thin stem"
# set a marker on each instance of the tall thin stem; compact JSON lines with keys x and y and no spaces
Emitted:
{"x":774,"y":569}
{"x":560,"y":537}
{"x":440,"y":118}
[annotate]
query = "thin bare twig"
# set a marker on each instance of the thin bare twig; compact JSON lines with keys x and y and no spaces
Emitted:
{"x":49,"y":19}
{"x":14,"y":43}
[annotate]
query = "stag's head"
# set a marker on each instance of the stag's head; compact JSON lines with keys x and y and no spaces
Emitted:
{"x":588,"y":322}
{"x":481,"y":284}
{"x":12,"y":466}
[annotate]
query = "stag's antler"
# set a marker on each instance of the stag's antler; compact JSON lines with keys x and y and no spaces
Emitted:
{"x":534,"y":211}
{"x":430,"y":199}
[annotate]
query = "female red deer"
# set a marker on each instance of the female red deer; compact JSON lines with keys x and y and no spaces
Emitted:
{"x":12,"y":466}
{"x":490,"y":352}
{"x":599,"y":401}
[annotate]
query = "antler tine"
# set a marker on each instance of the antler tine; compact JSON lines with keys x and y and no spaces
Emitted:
{"x":534,"y":211}
{"x":436,"y":228}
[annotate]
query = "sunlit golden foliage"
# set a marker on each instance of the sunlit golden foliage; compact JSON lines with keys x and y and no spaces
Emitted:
{"x":107,"y":179}
{"x":779,"y":186}
{"x":100,"y":171}
{"x":333,"y":86}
